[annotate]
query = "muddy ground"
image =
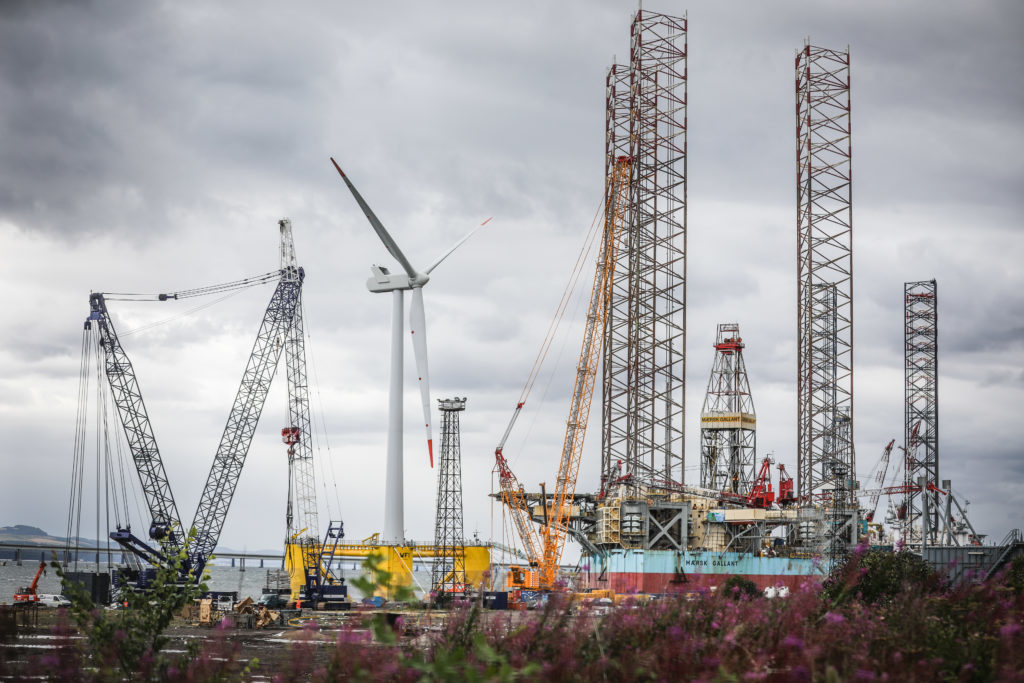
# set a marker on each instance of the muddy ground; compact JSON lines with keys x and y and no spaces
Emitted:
{"x":275,"y":647}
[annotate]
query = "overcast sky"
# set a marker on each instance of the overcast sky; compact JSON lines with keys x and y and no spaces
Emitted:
{"x":151,"y":147}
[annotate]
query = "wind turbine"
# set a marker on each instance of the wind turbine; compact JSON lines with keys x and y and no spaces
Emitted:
{"x":383,"y":281}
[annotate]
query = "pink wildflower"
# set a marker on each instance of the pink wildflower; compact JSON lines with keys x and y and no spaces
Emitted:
{"x":792,"y":641}
{"x":1009,"y":630}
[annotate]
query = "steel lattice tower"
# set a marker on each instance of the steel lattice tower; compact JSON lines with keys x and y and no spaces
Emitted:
{"x":301,"y":511}
{"x":838,"y":532}
{"x":449,"y":570}
{"x":645,"y":361}
{"x":616,"y":331}
{"x":922,"y":400}
{"x":727,"y":422}
{"x":824,"y":273}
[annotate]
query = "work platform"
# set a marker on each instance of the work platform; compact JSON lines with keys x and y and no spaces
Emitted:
{"x":398,"y":560}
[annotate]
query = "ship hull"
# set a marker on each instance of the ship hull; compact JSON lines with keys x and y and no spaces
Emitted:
{"x":666,"y":571}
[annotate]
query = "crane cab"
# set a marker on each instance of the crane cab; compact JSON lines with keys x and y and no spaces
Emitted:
{"x":523,"y":578}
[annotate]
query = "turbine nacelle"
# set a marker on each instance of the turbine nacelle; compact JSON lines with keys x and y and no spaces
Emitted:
{"x":383,"y":280}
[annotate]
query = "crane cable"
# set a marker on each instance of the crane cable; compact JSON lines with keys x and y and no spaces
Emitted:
{"x":570,"y":289}
{"x":253,"y":281}
{"x":563,"y":304}
{"x":228,"y":289}
{"x":320,"y":430}
{"x":164,"y":321}
{"x":78,"y":457}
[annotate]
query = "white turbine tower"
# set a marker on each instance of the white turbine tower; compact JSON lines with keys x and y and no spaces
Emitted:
{"x":397,"y":283}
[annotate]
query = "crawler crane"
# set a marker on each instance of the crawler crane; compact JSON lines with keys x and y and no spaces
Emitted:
{"x":545,"y":549}
{"x":166,"y":528}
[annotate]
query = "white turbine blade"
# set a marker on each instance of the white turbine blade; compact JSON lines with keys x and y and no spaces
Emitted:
{"x":382,"y":233}
{"x":418,"y":329}
{"x":456,"y":246}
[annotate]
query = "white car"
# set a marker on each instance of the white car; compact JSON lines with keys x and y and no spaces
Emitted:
{"x":51,"y":600}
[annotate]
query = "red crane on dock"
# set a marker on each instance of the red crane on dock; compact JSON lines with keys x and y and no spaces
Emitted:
{"x":29,"y":595}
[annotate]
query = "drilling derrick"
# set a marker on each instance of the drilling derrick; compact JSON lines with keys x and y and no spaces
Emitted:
{"x":448,"y":574}
{"x":646,"y":326}
{"x":727,"y":422}
{"x":922,"y":406}
{"x":301,"y":511}
{"x":825,"y":457}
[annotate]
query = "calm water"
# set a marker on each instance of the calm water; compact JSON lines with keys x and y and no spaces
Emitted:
{"x":222,"y":578}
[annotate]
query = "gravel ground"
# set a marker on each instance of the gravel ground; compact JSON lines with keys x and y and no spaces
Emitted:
{"x":272,"y":646}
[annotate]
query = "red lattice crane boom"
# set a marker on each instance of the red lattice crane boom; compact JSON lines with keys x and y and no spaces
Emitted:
{"x":513,"y":497}
{"x":761,"y":494}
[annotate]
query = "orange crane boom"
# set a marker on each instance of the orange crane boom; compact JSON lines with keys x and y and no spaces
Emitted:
{"x":551,"y":541}
{"x":553,"y":533}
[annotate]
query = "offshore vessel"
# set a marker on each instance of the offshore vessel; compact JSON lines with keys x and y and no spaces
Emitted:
{"x":693,"y":539}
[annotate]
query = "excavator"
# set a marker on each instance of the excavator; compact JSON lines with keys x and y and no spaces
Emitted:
{"x":25,"y":596}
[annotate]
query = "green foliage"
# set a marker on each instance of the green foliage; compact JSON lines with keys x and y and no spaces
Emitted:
{"x":880,"y":575}
{"x":741,"y":585}
{"x":481,"y":662}
{"x":377,"y":579}
{"x":464,"y":654}
{"x":130,"y":639}
{"x":1014,"y":577}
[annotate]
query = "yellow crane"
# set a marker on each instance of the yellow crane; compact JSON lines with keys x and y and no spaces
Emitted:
{"x":545,"y":550}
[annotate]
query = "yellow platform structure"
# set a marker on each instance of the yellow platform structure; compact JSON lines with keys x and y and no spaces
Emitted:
{"x":398,"y":560}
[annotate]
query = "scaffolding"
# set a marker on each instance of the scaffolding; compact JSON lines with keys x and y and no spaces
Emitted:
{"x":824,"y":275}
{"x":727,"y":422}
{"x":448,"y":573}
{"x":646,"y":327}
{"x":922,"y":405}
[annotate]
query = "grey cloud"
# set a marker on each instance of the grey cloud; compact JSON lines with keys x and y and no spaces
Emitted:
{"x":151,"y":146}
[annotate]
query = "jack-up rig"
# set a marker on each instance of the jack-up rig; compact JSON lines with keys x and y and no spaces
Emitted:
{"x":646,"y":529}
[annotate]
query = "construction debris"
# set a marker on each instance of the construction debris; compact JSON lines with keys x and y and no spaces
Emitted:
{"x":262,"y":617}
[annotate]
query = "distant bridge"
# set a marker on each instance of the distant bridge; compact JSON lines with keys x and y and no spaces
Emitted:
{"x":27,"y":552}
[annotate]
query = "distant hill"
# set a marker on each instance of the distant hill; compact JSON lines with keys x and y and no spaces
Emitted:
{"x":33,"y":535}
{"x":22,"y":530}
